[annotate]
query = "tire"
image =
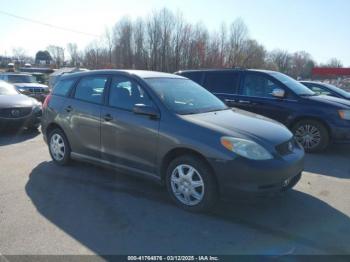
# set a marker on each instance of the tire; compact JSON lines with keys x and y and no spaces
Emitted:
{"x":201,"y":198}
{"x":308,"y":131}
{"x":33,"y":127}
{"x":59,"y":156}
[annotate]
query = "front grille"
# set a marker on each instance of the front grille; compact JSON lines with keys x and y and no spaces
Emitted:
{"x":15,"y":112}
{"x":36,"y":90}
{"x":286,"y":147}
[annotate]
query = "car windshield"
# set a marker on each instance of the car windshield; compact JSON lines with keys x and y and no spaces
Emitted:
{"x":337,"y":90}
{"x":21,"y":79}
{"x":184,"y":96}
{"x":7,"y":89}
{"x":293,"y":85}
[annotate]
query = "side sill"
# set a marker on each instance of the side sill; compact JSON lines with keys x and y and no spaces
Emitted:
{"x":118,"y":167}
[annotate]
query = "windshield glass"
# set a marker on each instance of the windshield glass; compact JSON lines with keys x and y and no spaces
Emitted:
{"x":21,"y":79}
{"x":337,"y":90}
{"x":7,"y":89}
{"x":293,"y":85}
{"x":184,"y":96}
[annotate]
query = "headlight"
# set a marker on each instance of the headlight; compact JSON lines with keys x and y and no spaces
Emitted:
{"x":246,"y":148}
{"x":344,"y":114}
{"x":37,"y":107}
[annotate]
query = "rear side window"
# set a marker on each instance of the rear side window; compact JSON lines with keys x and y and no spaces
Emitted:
{"x":63,"y":87}
{"x":194,"y":76}
{"x":90,"y":89}
{"x":221,"y":82}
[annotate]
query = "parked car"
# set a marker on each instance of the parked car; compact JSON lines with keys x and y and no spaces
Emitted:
{"x":55,"y":76}
{"x":27,"y":85}
{"x":316,"y":121}
{"x":17,"y":110}
{"x":326,"y":89}
{"x":170,"y":129}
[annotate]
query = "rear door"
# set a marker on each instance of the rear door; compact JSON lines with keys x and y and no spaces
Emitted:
{"x":255,"y":95}
{"x":128,"y":140}
{"x":84,"y":114}
{"x":223,"y":84}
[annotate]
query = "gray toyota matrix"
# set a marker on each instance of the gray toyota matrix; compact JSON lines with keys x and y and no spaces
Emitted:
{"x":170,"y":129}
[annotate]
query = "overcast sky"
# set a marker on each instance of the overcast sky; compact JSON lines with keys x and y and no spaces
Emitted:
{"x":320,"y":27}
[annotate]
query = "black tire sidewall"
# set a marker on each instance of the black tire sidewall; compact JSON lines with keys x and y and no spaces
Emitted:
{"x":210,"y":186}
{"x":66,"y":157}
{"x":323,"y":131}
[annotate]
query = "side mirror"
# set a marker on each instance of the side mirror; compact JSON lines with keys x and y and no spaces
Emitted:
{"x":141,"y":109}
{"x":279,"y":93}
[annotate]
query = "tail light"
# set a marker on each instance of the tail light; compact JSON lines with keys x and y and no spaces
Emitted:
{"x":47,"y":100}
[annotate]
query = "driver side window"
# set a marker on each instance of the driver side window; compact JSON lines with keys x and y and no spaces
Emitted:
{"x":256,"y":85}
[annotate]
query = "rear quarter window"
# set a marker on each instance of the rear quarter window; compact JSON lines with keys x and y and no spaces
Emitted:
{"x":221,"y":82}
{"x":63,"y":87}
{"x":194,"y":76}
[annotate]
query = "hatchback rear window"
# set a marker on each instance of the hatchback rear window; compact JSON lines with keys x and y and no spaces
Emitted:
{"x":63,"y":87}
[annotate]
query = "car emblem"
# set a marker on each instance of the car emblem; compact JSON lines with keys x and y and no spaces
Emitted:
{"x":15,"y":112}
{"x":290,"y":146}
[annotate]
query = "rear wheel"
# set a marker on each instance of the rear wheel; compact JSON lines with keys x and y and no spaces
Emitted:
{"x":59,"y":147}
{"x":191,"y":184}
{"x":312,"y":135}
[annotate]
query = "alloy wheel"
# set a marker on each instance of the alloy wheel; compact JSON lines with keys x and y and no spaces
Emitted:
{"x":308,"y":136}
{"x":57,"y":147}
{"x":187,"y":185}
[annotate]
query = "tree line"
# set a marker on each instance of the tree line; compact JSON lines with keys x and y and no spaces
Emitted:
{"x":165,"y":41}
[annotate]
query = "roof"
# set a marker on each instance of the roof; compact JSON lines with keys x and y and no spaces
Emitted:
{"x":224,"y":70}
{"x":15,"y":73}
{"x":139,"y":73}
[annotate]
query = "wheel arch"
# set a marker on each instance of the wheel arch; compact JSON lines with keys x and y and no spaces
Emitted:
{"x":180,"y":151}
{"x":314,"y":118}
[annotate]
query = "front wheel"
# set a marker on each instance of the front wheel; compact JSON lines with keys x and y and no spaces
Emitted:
{"x":59,"y":147}
{"x":312,"y":135}
{"x":191,"y":184}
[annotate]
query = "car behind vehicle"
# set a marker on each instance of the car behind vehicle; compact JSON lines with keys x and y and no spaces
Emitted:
{"x":326,"y":89}
{"x":27,"y":85}
{"x":18,"y":110}
{"x":316,"y":121}
{"x":168,"y":128}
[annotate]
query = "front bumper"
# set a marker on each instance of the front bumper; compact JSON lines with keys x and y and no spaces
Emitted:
{"x":32,"y":120}
{"x":341,"y":135}
{"x":244,"y":175}
{"x":39,"y":97}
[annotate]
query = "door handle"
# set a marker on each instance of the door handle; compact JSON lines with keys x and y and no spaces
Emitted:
{"x":69,"y":109}
{"x":243,"y":101}
{"x":230,"y":101}
{"x":108,"y":118}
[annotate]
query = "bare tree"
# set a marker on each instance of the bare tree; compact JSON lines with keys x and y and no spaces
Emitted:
{"x":57,"y":54}
{"x":333,"y":62}
{"x":109,"y":44}
{"x":282,"y":60}
{"x":123,"y":43}
{"x":72,"y":49}
{"x":238,"y":35}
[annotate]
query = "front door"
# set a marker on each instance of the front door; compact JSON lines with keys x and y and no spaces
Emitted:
{"x":255,"y":95}
{"x":128,"y":140}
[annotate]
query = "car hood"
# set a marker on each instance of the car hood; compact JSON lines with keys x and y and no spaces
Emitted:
{"x":10,"y":101}
{"x":30,"y":85}
{"x":330,"y":100}
{"x":242,"y":124}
